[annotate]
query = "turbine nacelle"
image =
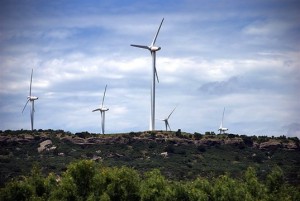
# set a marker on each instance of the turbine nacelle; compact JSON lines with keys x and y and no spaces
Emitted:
{"x":151,"y":48}
{"x":223,"y":129}
{"x":32,"y":98}
{"x":102,"y":109}
{"x":154,"y":48}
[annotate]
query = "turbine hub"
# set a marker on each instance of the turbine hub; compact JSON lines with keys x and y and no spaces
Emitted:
{"x":32,"y":98}
{"x":103,"y":109}
{"x":154,"y":48}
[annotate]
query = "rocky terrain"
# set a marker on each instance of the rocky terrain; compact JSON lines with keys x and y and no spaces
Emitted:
{"x":177,"y":154}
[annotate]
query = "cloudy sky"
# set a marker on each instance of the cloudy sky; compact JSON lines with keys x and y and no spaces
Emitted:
{"x":242,"y":55}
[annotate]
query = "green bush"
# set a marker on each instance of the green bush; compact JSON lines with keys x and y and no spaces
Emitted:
{"x":88,"y":180}
{"x":118,"y":183}
{"x":16,"y":190}
{"x":154,"y":187}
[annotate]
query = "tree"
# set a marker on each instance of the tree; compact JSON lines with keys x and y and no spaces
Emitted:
{"x":226,"y":188}
{"x":275,"y":180}
{"x":118,"y":184}
{"x":154,"y":187}
{"x":36,"y":180}
{"x":76,"y":183}
{"x":254,"y":187}
{"x":16,"y":190}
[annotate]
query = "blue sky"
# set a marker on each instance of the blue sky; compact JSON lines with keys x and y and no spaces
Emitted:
{"x":242,"y":55}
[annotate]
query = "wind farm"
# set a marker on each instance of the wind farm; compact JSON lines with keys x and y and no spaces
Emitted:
{"x":154,"y":77}
{"x":211,"y":105}
{"x":152,"y":48}
{"x":206,"y":63}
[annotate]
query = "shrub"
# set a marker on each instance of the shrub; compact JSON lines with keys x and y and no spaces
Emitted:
{"x":16,"y":190}
{"x":117,"y":184}
{"x":154,"y":187}
{"x":201,"y":148}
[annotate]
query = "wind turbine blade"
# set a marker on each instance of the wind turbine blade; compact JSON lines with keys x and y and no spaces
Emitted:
{"x":25,"y":105}
{"x":154,"y":40}
{"x":156,"y":74}
{"x":33,"y":106}
{"x":104,"y":95}
{"x":30,"y":83}
{"x":223,"y":116}
{"x":153,"y":54}
{"x":141,"y":46}
{"x":171,"y":112}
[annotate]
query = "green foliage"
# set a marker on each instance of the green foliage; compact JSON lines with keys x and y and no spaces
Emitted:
{"x":226,"y":188}
{"x":80,"y":176}
{"x":16,"y":190}
{"x":50,"y":184}
{"x":197,"y":136}
{"x":193,"y":170}
{"x":118,"y":184}
{"x":87,"y":180}
{"x":256,"y":190}
{"x":187,"y":158}
{"x":154,"y":187}
{"x":275,"y":180}
{"x":65,"y":191}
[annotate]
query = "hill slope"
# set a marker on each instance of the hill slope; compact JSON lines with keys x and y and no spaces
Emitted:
{"x":178,"y":155}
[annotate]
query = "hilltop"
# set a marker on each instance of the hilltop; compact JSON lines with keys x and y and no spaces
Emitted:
{"x":178,"y":155}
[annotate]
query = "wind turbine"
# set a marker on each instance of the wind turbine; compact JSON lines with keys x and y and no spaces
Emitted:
{"x":166,"y":120}
{"x":152,"y":48}
{"x":222,"y":129}
{"x":31,"y":99}
{"x":102,"y":110}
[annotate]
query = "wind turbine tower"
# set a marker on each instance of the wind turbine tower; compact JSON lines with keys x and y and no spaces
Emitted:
{"x":222,"y":129}
{"x":153,"y":49}
{"x":31,"y":99}
{"x":102,"y":110}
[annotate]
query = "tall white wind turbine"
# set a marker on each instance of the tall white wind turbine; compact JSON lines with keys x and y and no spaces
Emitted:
{"x":222,"y":129}
{"x":31,"y":99}
{"x":102,"y":110}
{"x":152,"y":48}
{"x":166,"y":120}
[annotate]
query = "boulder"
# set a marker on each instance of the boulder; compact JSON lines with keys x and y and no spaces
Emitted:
{"x":43,"y":145}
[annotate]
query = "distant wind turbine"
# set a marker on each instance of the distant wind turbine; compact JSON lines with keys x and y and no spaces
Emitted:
{"x":166,"y":120}
{"x":152,"y":48}
{"x":31,"y":99}
{"x":222,"y":129}
{"x":102,"y":110}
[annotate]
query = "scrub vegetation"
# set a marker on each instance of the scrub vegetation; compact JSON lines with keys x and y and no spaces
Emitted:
{"x":88,"y":180}
{"x":58,"y":165}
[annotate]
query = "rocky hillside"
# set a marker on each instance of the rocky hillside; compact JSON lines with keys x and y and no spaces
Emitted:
{"x":178,"y":155}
